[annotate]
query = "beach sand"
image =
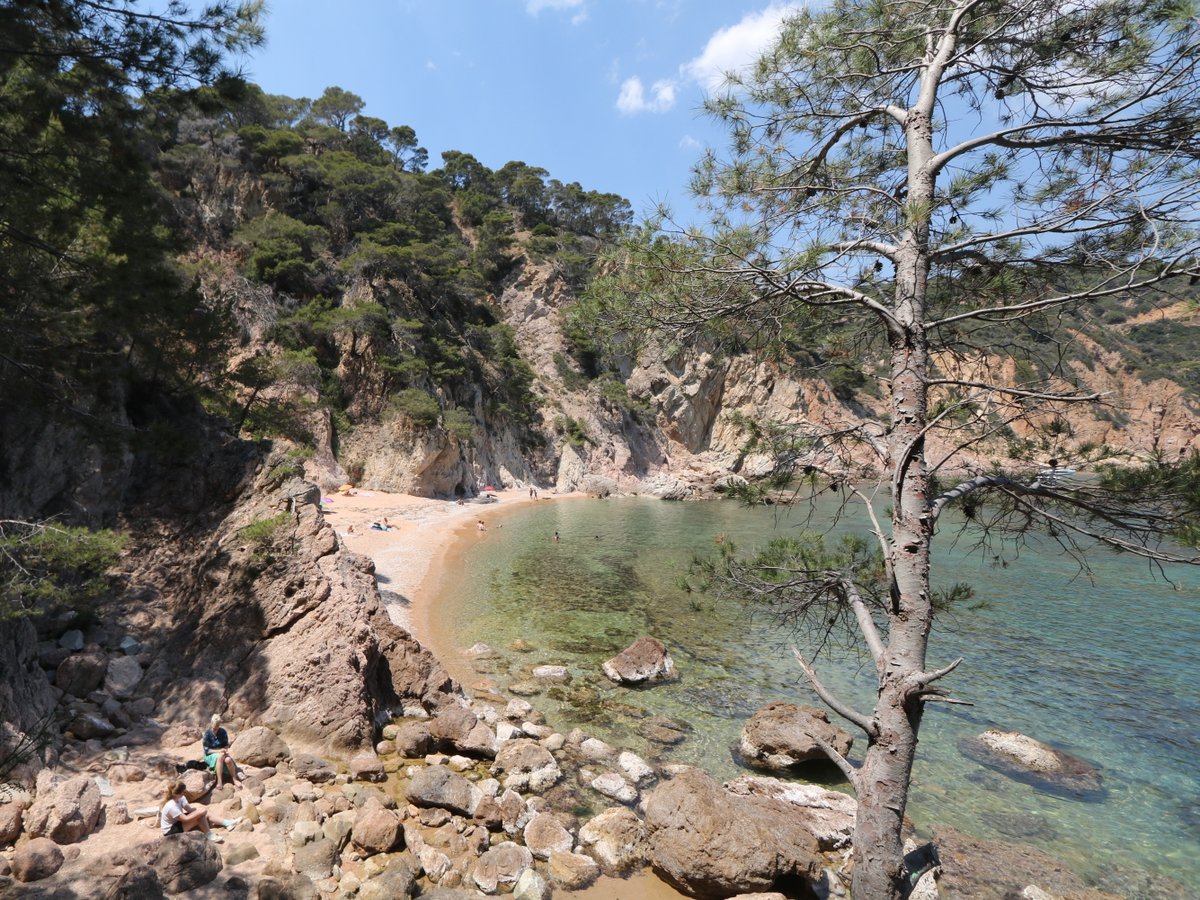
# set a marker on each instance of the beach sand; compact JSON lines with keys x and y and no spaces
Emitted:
{"x":429,"y":538}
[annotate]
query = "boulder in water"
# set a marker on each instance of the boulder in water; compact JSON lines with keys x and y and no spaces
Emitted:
{"x":1028,"y":760}
{"x":645,"y":660}
{"x":781,"y":736}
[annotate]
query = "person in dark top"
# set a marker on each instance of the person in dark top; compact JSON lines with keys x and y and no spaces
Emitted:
{"x":216,"y":754}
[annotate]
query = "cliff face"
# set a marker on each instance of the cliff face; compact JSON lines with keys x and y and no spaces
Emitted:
{"x":687,"y":425}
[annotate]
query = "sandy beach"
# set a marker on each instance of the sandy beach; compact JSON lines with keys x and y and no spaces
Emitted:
{"x":425,"y":539}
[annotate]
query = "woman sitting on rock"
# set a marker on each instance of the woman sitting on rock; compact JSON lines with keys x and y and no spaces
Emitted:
{"x":216,"y":754}
{"x":178,"y":815}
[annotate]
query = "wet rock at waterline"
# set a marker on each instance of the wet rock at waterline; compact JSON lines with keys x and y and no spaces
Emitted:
{"x":646,"y":660}
{"x":781,"y":736}
{"x":1030,"y":761}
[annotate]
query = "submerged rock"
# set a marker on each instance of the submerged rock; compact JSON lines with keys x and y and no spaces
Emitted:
{"x":1028,"y":760}
{"x":645,"y":660}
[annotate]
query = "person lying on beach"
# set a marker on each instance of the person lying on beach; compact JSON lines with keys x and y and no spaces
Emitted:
{"x":178,"y":816}
{"x":216,"y":754}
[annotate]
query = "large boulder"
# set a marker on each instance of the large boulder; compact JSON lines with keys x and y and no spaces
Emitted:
{"x":645,"y":660}
{"x":81,"y":673}
{"x":616,"y":839}
{"x":259,"y":746}
{"x":65,"y":811}
{"x":36,"y":859}
{"x":783,"y":735}
{"x":1025,"y":759}
{"x":197,"y":783}
{"x":710,"y":842}
{"x":412,"y":739}
{"x":312,"y":768}
{"x":827,"y":815}
{"x":123,"y":676}
{"x":439,"y":786}
{"x":183,"y":861}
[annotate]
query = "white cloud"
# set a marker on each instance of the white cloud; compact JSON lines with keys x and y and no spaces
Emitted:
{"x":533,"y":7}
{"x":633,"y":98}
{"x":738,"y":46}
{"x":687,"y":142}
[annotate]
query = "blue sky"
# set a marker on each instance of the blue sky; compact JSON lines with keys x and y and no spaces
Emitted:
{"x":603,"y":92}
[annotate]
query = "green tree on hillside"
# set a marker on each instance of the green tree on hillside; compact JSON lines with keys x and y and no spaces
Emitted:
{"x":86,"y":282}
{"x":920,"y":175}
{"x":336,"y":107}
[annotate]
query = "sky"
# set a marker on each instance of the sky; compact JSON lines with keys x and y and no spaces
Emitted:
{"x":604,"y":92}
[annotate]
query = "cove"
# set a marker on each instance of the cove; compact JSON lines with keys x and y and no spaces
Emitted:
{"x":1104,"y":667}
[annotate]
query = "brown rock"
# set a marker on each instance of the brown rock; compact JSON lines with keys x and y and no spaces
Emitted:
{"x":81,"y":673}
{"x":645,"y":660}
{"x":783,"y":735}
{"x":259,"y":746}
{"x":137,"y":883}
{"x":316,"y":860}
{"x":412,"y":739}
{"x":197,"y":783}
{"x":366,"y":767}
{"x":573,"y":871}
{"x":827,"y":815}
{"x":441,"y":787}
{"x":36,"y":859}
{"x":67,"y":812}
{"x":376,"y":830}
{"x":10,"y":823}
{"x":711,"y":842}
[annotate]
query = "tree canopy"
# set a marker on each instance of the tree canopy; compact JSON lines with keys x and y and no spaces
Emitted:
{"x":943,"y":182}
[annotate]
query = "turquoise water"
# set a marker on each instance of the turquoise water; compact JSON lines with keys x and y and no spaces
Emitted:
{"x":1105,"y":668}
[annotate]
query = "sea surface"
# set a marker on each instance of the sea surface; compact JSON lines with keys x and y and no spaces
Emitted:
{"x":1103,"y":664}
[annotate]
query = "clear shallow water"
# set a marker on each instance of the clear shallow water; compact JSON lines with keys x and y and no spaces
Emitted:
{"x":1107,"y":669}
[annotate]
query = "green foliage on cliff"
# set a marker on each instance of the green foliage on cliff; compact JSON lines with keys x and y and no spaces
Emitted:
{"x":47,"y":565}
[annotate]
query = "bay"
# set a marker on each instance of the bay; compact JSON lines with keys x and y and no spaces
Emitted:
{"x":1103,"y":665}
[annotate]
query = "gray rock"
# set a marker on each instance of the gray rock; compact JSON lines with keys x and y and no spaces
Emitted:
{"x":439,"y":786}
{"x":184,"y":862}
{"x":136,"y":883}
{"x":397,"y":880}
{"x":124,"y":675}
{"x":311,"y":767}
{"x":86,"y":725}
{"x":293,"y":886}
{"x":610,"y":784}
{"x":1026,"y":759}
{"x":366,"y":767}
{"x":526,"y":765}
{"x":141,"y":707}
{"x":71,"y":640}
{"x":240,"y":853}
{"x":412,"y":739}
{"x":130,"y":646}
{"x":316,"y":860}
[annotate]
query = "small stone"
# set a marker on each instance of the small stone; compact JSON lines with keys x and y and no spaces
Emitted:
{"x":116,"y":813}
{"x":555,"y":674}
{"x":71,"y":640}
